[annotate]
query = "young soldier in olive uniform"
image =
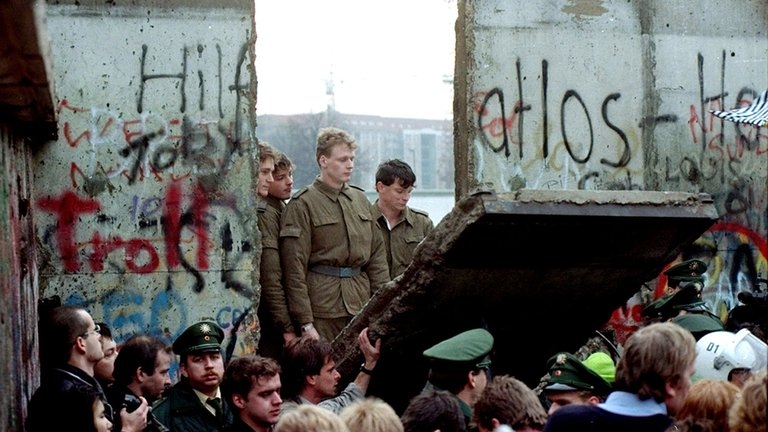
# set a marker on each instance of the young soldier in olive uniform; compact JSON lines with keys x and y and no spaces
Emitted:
{"x":460,"y":365}
{"x":275,"y":323}
{"x":402,"y":227}
{"x":331,"y":250}
{"x":194,"y":404}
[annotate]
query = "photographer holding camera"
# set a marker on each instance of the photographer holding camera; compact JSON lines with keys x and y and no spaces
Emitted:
{"x":141,"y":370}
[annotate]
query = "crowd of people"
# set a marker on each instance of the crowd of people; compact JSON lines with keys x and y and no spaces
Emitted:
{"x":325,"y":250}
{"x":657,"y":385}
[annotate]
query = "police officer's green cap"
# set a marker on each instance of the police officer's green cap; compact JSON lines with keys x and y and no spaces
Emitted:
{"x":698,"y":324}
{"x":687,"y":271}
{"x":469,"y":346}
{"x":199,"y":337}
{"x":568,"y":373}
{"x":687,"y":297}
{"x":653,"y":308}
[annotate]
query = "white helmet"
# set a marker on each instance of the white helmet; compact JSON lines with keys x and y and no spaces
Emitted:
{"x":720,"y":352}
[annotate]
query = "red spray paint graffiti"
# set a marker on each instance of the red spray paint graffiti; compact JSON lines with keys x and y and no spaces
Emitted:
{"x":141,"y":255}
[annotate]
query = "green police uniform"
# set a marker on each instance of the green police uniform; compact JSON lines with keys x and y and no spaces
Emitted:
{"x":686,"y":271}
{"x":689,"y":271}
{"x":274,"y":319}
{"x":699,"y":324}
{"x":181,"y":409}
{"x":568,"y":373}
{"x":687,"y":298}
{"x":467,"y":351}
{"x":401,"y":240}
{"x":332,"y":255}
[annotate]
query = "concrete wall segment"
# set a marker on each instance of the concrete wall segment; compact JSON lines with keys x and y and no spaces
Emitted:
{"x":19,"y":371}
{"x":614,"y":95}
{"x":145,"y":203}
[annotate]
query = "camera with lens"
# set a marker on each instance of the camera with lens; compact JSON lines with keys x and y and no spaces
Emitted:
{"x":131,"y":402}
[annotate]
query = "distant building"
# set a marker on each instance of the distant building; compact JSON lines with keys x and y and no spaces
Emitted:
{"x":426,"y":145}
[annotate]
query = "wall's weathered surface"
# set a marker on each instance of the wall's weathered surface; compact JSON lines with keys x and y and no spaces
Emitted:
{"x":615,"y":95}
{"x":144,"y":205}
{"x":18,"y":280}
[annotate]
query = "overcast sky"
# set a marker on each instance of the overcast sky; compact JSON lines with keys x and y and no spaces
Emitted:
{"x":388,"y":58}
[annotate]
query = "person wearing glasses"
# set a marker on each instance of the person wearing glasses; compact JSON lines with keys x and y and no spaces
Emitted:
{"x":460,"y":365}
{"x":70,"y":342}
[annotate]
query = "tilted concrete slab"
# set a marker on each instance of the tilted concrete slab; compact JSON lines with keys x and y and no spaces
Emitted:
{"x":540,"y":269}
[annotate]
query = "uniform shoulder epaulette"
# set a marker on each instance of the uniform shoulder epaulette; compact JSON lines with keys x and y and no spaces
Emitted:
{"x":300,"y":192}
{"x":261,"y":206}
{"x":356,"y":187}
{"x":419,"y":211}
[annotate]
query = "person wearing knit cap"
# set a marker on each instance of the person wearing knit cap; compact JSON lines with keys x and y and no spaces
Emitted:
{"x":572,"y":381}
{"x":603,"y":365}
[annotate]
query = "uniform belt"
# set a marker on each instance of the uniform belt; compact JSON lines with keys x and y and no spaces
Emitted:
{"x":341,"y":272}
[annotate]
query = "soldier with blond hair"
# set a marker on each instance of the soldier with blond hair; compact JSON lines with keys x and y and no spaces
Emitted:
{"x":331,"y":250}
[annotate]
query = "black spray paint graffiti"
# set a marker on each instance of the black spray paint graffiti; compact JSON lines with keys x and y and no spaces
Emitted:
{"x":496,"y":96}
{"x":198,"y":141}
{"x":697,"y":169}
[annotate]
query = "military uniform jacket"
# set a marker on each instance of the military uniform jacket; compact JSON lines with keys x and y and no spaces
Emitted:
{"x":402,"y":239}
{"x":272,"y":293}
{"x":324,"y":226}
{"x":182,"y":411}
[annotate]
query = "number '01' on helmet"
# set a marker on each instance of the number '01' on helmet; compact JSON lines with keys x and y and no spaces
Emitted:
{"x":720,"y":352}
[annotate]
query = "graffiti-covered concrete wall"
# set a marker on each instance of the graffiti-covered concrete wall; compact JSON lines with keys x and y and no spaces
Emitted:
{"x":144,"y":204}
{"x":18,"y":284}
{"x":615,"y":95}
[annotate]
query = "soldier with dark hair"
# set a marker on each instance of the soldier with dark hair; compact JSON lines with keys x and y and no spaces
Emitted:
{"x":275,"y":321}
{"x":402,"y":227}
